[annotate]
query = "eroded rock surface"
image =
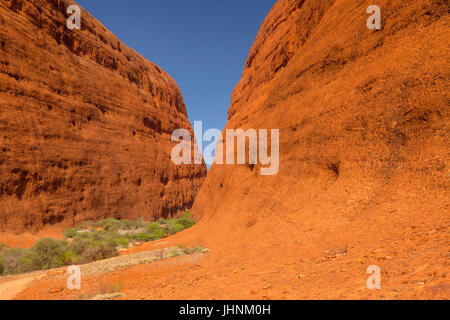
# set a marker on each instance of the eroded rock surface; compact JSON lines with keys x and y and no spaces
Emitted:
{"x":85,"y":124}
{"x":364,"y":140}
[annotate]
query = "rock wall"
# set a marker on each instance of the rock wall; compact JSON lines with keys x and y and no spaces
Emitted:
{"x":85,"y":124}
{"x":363,"y":118}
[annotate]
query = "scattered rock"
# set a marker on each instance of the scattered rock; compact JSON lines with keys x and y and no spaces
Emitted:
{"x":108,"y":296}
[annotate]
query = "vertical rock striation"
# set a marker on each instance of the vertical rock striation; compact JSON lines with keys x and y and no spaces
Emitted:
{"x":364,"y":138}
{"x":85,"y":124}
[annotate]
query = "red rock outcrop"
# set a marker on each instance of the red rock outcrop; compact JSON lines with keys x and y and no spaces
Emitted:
{"x":364,"y":140}
{"x":85,"y":124}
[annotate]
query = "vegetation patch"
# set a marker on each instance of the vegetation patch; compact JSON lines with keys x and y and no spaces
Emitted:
{"x":91,"y":241}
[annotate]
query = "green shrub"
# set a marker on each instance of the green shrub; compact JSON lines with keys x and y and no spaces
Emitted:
{"x":106,"y":237}
{"x":144,"y":237}
{"x":30,"y":261}
{"x":176,"y":225}
{"x":110,"y":224}
{"x":79,"y":245}
{"x":56,"y":262}
{"x":117,"y":287}
{"x":197,"y":250}
{"x":91,"y":254}
{"x":152,"y":226}
{"x":84,"y":235}
{"x":158,"y":234}
{"x":162,"y":221}
{"x":69,"y":257}
{"x":45,"y":254}
{"x":122,"y":242}
{"x":132,"y":224}
{"x":87,"y":246}
{"x":98,"y":251}
{"x":2,"y":265}
{"x":11,"y":258}
{"x":186,"y":221}
{"x":155,"y":230}
{"x":187,"y":250}
{"x":70,"y":233}
{"x":49,"y":251}
{"x":175,"y":228}
{"x":175,"y":253}
{"x":98,"y":236}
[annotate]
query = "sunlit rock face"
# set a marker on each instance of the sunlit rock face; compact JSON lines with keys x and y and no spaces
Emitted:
{"x":363,"y":119}
{"x":85,"y":124}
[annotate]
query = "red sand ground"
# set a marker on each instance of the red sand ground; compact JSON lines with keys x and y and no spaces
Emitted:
{"x":26,"y":240}
{"x":414,"y":265}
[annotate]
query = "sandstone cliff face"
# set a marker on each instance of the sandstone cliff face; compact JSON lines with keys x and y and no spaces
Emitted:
{"x":85,"y":124}
{"x":363,"y":118}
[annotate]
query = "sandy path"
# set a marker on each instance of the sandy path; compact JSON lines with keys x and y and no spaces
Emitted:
{"x":10,"y":289}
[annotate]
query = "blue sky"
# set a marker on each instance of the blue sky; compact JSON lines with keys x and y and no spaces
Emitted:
{"x":202,"y":44}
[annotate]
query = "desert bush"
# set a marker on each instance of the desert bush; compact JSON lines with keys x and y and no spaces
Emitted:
{"x":49,"y":252}
{"x":158,"y":234}
{"x":2,"y":265}
{"x":162,"y":221}
{"x":69,"y":257}
{"x":80,"y":244}
{"x":117,"y":287}
{"x":188,"y":250}
{"x":196,"y":250}
{"x":176,"y":225}
{"x":45,"y":254}
{"x":100,"y":236}
{"x":11,"y":258}
{"x":186,"y":221}
{"x":155,"y":231}
{"x":84,"y":235}
{"x":152,"y":226}
{"x":175,"y":228}
{"x":110,"y":240}
{"x":109,"y":224}
{"x":144,"y":237}
{"x":175,"y":253}
{"x":3,"y":248}
{"x":88,"y":246}
{"x":70,"y":233}
{"x":132,"y":224}
{"x":98,"y":251}
{"x":122,"y":242}
{"x":91,"y":254}
{"x":30,"y":261}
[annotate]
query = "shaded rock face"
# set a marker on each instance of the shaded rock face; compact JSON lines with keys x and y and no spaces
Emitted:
{"x":363,"y":118}
{"x":85,"y":124}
